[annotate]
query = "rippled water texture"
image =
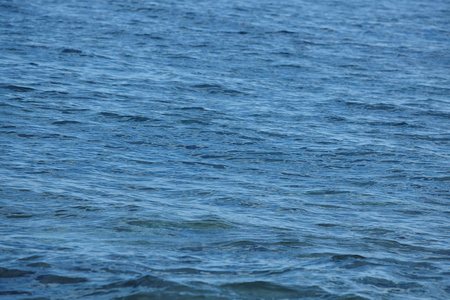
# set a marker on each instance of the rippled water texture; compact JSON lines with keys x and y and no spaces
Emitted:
{"x":224,"y":149}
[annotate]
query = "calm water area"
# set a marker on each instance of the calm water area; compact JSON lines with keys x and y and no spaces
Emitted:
{"x":288,"y":149}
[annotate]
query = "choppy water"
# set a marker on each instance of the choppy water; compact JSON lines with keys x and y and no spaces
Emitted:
{"x":224,"y":149}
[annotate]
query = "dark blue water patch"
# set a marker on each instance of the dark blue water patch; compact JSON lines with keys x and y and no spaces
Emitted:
{"x":56,"y":279}
{"x":16,"y":88}
{"x":10,"y":273}
{"x":71,"y":51}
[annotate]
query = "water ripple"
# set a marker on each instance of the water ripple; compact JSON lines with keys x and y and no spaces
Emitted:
{"x":224,"y":150}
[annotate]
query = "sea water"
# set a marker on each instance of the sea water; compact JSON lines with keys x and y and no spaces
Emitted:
{"x":224,"y":149}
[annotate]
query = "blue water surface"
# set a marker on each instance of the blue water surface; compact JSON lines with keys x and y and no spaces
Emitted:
{"x":289,"y":149}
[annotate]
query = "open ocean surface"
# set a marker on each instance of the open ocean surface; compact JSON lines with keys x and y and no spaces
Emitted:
{"x":224,"y":149}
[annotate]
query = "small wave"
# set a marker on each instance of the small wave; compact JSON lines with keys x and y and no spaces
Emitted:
{"x":269,"y":290}
{"x":153,"y":224}
{"x":17,"y":88}
{"x":388,"y":284}
{"x":207,"y":86}
{"x":217,"y":89}
{"x":48,"y":279}
{"x":71,"y":51}
{"x":145,"y":281}
{"x":246,"y":246}
{"x":372,"y":106}
{"x":150,"y":36}
{"x":39,"y":265}
{"x":27,"y":136}
{"x":15,"y":293}
{"x":288,"y":66}
{"x":350,"y":261}
{"x":65,"y":122}
{"x":197,"y":108}
{"x":386,"y":123}
{"x":33,"y":257}
{"x":215,"y":166}
{"x":126,"y":118}
{"x":53,"y":93}
{"x":285,"y":32}
{"x":435,"y":113}
{"x":193,"y":121}
{"x":207,"y":224}
{"x":326,"y":192}
{"x":11,"y":273}
{"x":19,"y":215}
